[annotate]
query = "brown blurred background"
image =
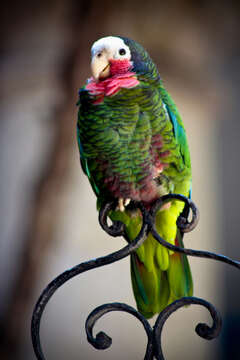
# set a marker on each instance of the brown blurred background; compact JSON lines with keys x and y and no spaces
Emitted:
{"x":48,"y":219}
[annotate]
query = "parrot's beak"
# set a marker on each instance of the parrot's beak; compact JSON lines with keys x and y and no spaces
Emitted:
{"x":100,"y":67}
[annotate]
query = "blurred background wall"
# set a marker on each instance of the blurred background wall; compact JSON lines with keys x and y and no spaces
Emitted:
{"x":48,"y":219}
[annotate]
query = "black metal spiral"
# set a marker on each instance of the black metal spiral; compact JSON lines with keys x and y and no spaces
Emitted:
{"x":203,"y":330}
{"x":103,"y":341}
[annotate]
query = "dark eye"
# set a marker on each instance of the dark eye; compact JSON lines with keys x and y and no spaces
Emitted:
{"x":99,"y":55}
{"x":122,"y":52}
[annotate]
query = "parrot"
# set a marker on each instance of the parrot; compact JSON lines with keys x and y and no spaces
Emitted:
{"x":133,"y":147}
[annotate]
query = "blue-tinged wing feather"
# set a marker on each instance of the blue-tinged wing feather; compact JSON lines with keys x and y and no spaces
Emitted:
{"x":178,"y":128}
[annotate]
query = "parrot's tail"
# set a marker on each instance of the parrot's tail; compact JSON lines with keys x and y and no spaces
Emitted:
{"x":155,"y":285}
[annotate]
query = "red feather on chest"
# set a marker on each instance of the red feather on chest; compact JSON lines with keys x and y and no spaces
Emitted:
{"x":121,"y":77}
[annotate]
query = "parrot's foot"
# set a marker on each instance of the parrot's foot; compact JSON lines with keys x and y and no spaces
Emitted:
{"x":122,"y":203}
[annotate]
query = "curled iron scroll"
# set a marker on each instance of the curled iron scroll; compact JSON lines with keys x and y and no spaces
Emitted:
{"x":103,"y":341}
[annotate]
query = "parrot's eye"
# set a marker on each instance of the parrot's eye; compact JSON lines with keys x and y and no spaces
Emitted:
{"x":99,"y":55}
{"x":122,"y":52}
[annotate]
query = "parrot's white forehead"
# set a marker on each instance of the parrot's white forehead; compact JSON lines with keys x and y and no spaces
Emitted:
{"x":110,"y":43}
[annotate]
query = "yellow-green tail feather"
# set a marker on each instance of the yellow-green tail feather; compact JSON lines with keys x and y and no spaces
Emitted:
{"x":158,"y":276}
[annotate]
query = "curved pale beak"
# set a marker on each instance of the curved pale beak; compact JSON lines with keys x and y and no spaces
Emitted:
{"x":100,"y":67}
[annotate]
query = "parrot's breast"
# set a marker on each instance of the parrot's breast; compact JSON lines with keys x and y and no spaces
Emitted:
{"x":125,"y":139}
{"x":132,"y":170}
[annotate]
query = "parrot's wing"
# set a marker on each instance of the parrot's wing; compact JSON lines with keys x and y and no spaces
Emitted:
{"x":178,"y":128}
{"x":84,"y":99}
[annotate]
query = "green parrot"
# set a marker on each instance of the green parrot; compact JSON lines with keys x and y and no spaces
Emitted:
{"x":133,"y":146}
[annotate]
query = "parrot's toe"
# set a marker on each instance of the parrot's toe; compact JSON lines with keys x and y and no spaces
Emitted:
{"x":127,"y":202}
{"x":121,"y":206}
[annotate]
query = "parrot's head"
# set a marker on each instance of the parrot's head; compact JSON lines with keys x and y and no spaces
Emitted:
{"x":116,"y":55}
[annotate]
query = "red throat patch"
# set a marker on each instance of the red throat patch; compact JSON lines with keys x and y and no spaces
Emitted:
{"x":120,"y":78}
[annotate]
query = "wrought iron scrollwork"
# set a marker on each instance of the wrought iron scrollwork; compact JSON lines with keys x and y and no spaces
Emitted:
{"x":102,"y":340}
